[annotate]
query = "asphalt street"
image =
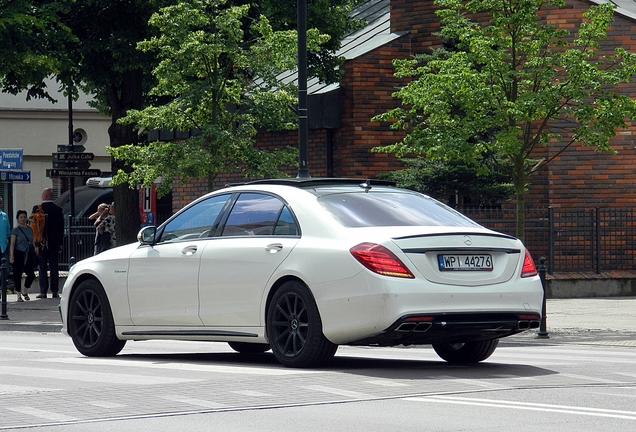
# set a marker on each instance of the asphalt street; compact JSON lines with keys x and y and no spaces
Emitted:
{"x":607,"y":320}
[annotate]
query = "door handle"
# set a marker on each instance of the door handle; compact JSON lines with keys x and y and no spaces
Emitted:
{"x":189,"y":250}
{"x":274,"y":247}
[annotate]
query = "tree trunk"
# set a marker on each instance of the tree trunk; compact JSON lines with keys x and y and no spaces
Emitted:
{"x":122,"y":99}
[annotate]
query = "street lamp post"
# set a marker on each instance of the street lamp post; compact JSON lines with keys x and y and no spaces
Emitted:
{"x":303,"y":170}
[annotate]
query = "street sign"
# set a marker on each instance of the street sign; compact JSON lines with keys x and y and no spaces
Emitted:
{"x":11,"y":159}
{"x":73,"y":173}
{"x":70,"y":149}
{"x":15,"y":176}
{"x":73,"y":156}
{"x":71,"y":164}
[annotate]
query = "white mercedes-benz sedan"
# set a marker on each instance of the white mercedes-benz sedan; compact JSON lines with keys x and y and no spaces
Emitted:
{"x":300,"y":266}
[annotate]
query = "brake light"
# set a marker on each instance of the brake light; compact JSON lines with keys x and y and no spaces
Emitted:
{"x":529,"y":268}
{"x":380,"y":260}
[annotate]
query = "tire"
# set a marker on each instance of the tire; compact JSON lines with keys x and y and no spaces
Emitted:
{"x":248,"y":348}
{"x":469,"y":352}
{"x":91,"y":323}
{"x":294,"y":328}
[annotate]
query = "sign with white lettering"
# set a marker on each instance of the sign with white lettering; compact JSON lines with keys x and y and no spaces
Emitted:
{"x":15,"y":176}
{"x":11,"y":159}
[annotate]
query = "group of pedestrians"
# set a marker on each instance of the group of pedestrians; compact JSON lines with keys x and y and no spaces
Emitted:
{"x":25,"y":255}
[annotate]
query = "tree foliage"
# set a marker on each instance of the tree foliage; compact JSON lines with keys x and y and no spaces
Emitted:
{"x":515,"y":83}
{"x":221,"y":80}
{"x":31,"y":35}
{"x":456,"y":183}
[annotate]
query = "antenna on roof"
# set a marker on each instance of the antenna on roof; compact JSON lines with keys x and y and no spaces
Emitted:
{"x":366,"y":185}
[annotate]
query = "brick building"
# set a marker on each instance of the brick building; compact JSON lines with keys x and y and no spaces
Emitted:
{"x":341,"y":134}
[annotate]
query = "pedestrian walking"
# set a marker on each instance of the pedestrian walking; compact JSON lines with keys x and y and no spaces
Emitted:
{"x":5,"y":233}
{"x":22,"y":255}
{"x":102,"y":242}
{"x":49,"y":251}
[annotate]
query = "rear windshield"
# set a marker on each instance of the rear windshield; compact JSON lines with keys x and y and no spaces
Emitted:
{"x":391,"y":208}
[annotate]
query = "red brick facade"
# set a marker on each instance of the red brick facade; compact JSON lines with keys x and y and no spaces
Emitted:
{"x":578,"y":177}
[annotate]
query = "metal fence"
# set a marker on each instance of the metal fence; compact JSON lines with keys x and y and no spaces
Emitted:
{"x":571,"y":239}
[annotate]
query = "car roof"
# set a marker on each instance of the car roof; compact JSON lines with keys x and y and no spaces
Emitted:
{"x":309,"y":183}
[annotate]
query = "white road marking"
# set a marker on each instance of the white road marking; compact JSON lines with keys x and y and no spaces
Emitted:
{"x":47,"y":415}
{"x":8,"y":388}
{"x":104,"y":404}
{"x":339,"y":392}
{"x":193,"y":367}
{"x":474,"y":382}
{"x":589,"y":378}
{"x":90,"y":376}
{"x":387,"y":383}
{"x":252,"y":393}
{"x":192,"y":401}
{"x":564,"y":409}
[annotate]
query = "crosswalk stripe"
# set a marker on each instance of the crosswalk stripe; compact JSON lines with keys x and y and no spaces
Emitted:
{"x":35,"y":412}
{"x":90,"y":376}
{"x":192,"y":401}
{"x":339,"y":392}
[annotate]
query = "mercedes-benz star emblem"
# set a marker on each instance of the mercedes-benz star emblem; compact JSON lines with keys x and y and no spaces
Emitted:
{"x":468,"y":241}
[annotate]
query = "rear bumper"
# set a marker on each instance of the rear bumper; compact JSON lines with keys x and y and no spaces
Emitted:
{"x":453,"y":327}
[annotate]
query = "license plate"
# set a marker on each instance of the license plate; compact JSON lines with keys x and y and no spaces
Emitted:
{"x":465,"y":262}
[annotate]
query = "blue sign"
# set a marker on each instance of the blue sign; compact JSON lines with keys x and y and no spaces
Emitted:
{"x":11,"y":159}
{"x":15,"y":176}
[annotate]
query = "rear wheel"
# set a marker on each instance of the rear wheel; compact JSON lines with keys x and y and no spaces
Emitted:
{"x":466,"y":352}
{"x":294,"y":328}
{"x":91,"y":323}
{"x":248,"y":348}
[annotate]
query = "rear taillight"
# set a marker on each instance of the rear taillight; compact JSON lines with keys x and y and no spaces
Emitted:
{"x":380,"y":260}
{"x":529,"y":268}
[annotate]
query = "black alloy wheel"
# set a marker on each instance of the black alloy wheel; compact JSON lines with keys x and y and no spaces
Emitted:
{"x":294,"y":328}
{"x":91,"y":323}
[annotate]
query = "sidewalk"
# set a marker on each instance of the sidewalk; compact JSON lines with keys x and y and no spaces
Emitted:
{"x":608,"y":320}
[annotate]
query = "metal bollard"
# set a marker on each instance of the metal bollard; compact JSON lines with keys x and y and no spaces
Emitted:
{"x":543,"y":333}
{"x":5,"y":274}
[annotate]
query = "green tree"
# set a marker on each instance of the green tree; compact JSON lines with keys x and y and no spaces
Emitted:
{"x":511,"y":86}
{"x":31,"y":35}
{"x":455,"y":182}
{"x":101,"y":58}
{"x":220,"y":80}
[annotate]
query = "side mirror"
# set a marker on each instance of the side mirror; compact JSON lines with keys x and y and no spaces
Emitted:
{"x":147,"y":235}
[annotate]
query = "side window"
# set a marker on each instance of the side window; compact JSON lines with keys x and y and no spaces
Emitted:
{"x":195,"y":222}
{"x":286,"y":225}
{"x":253,"y":214}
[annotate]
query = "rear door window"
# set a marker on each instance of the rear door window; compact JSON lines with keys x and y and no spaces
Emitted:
{"x":256,"y":214}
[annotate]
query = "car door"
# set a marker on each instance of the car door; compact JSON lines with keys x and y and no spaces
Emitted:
{"x":163,"y":278}
{"x":257,"y":236}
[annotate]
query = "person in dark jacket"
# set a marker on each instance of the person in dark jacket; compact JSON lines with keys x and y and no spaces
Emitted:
{"x":49,"y":253}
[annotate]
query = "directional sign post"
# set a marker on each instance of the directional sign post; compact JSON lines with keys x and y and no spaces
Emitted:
{"x":73,"y":156}
{"x":73,"y":172}
{"x":15,"y":176}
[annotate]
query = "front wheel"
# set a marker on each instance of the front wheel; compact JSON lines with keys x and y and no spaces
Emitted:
{"x":466,"y":352}
{"x":294,"y":328}
{"x":91,"y":323}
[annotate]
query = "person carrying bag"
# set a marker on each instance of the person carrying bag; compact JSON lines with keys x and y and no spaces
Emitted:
{"x":22,"y":255}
